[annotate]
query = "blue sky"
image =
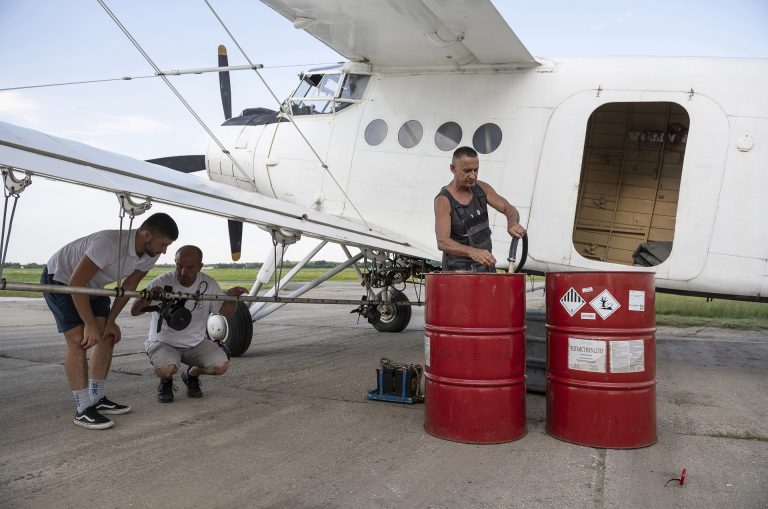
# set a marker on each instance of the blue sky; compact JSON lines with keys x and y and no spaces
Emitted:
{"x":46,"y":41}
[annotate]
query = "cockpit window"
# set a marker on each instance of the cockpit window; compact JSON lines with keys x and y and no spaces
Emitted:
{"x":320,"y":93}
{"x":354,"y":86}
{"x":327,"y":87}
{"x":304,"y":87}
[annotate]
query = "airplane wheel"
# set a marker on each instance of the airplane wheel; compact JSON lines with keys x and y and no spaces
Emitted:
{"x":240,"y":330}
{"x":393,"y":318}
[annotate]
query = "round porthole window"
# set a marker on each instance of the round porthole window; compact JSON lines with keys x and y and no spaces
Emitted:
{"x":448,"y":136}
{"x":410,"y":134}
{"x":487,"y":138}
{"x":376,"y":132}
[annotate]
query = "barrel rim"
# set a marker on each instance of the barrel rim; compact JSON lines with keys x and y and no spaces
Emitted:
{"x":475,"y":442}
{"x":599,"y":272}
{"x":599,"y":333}
{"x":469,"y":273}
{"x":598,"y":385}
{"x":466,"y":331}
{"x":597,"y":445}
{"x":468,"y":382}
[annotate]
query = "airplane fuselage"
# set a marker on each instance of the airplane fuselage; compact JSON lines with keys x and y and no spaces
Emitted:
{"x":599,"y":155}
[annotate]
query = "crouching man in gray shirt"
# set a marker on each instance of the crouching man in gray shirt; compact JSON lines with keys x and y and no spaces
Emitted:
{"x":168,"y":348}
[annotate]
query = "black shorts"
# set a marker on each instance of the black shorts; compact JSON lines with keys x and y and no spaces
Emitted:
{"x":63,"y":307}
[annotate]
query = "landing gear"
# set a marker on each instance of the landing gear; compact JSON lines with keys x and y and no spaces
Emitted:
{"x":389,"y":310}
{"x":391,"y":317}
{"x":240,"y":330}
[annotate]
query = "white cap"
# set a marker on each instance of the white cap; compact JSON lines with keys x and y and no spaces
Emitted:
{"x":217,"y":327}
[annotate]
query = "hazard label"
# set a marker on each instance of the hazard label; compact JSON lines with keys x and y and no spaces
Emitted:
{"x":605,"y":304}
{"x":572,"y":301}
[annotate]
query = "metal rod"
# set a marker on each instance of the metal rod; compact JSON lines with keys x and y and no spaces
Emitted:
{"x":271,"y":308}
{"x":144,"y":294}
{"x":209,"y":69}
{"x":287,"y":278}
{"x":349,"y":257}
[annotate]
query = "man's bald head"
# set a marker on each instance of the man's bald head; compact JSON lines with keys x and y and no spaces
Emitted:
{"x":189,"y":262}
{"x":190,"y":250}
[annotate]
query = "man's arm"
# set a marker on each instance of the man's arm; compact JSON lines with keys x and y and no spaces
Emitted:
{"x":444,"y":241}
{"x":139,"y":305}
{"x":499,"y":203}
{"x":130,"y":283}
{"x":83,"y":273}
{"x":228,"y":308}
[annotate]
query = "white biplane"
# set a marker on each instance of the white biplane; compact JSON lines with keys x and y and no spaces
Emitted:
{"x":633,"y":163}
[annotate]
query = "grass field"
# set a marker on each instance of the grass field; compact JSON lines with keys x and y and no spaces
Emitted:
{"x":672,"y":310}
{"x":227,"y":278}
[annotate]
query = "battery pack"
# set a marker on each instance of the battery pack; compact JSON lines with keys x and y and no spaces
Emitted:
{"x":399,"y":383}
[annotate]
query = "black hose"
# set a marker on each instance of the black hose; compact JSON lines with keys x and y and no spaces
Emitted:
{"x":524,"y":256}
{"x":513,"y":252}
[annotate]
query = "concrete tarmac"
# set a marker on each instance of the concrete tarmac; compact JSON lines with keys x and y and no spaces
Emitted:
{"x":289,"y":426}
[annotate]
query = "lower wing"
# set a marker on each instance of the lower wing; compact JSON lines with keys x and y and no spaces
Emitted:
{"x":70,"y":161}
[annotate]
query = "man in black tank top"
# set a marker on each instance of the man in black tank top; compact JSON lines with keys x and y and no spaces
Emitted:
{"x":461,"y":217}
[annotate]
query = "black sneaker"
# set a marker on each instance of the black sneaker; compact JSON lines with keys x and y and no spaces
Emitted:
{"x":107,"y":407}
{"x":193,"y":384}
{"x":92,"y":419}
{"x":165,"y":390}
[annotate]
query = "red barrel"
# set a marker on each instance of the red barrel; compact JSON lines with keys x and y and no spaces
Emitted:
{"x":601,"y":358}
{"x":474,"y":350}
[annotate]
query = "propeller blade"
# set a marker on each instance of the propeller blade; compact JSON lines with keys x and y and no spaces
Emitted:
{"x":226,"y":90}
{"x":235,"y":238}
{"x":184,"y":164}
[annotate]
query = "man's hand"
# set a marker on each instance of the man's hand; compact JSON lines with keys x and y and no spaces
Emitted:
{"x":236,"y":291}
{"x":156,"y":293}
{"x":91,"y":335}
{"x":228,"y":307}
{"x":112,"y":333}
{"x":483,"y":256}
{"x":516,"y":230}
{"x":139,"y":305}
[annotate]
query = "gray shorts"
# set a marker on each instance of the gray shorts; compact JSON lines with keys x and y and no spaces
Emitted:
{"x":205,"y":355}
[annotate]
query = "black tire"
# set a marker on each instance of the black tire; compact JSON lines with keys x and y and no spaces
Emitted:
{"x":240,"y":330}
{"x":393,"y":318}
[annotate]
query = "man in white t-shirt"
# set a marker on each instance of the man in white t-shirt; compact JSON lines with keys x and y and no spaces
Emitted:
{"x":89,"y":321}
{"x":167,"y":348}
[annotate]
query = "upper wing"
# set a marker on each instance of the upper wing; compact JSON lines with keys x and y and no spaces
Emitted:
{"x":70,"y":161}
{"x":411,"y":34}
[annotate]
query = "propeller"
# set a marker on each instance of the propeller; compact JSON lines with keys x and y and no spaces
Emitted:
{"x":235,"y":227}
{"x":184,"y":164}
{"x":235,"y":238}
{"x":226,"y":90}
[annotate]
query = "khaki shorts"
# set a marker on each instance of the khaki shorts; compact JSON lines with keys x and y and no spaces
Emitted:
{"x":205,"y":355}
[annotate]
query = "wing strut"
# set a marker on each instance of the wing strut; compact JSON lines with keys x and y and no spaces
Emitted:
{"x":13,"y":188}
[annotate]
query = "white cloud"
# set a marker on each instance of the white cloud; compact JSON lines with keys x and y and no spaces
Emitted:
{"x":129,"y":124}
{"x":18,"y":108}
{"x":111,"y":125}
{"x":121,"y":134}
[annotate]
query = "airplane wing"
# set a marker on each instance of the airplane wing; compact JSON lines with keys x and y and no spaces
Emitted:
{"x":411,"y":34}
{"x":71,"y":161}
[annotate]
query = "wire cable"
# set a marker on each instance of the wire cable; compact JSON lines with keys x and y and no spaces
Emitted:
{"x":320,"y":159}
{"x":83,"y":82}
{"x":177,"y":93}
{"x":130,"y":78}
{"x":5,"y":241}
